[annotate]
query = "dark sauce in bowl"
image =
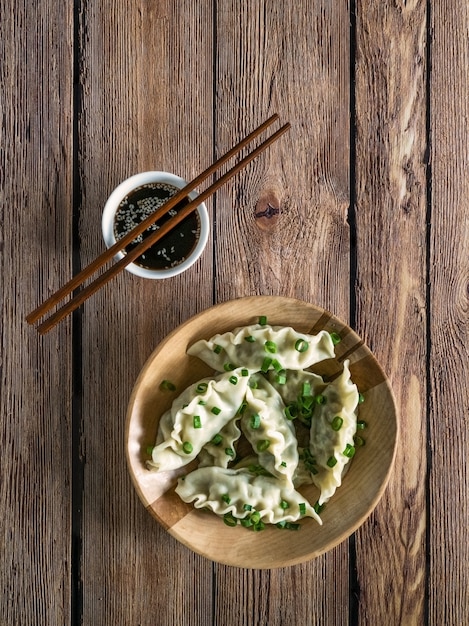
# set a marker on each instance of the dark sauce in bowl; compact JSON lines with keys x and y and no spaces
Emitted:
{"x":175,"y":246}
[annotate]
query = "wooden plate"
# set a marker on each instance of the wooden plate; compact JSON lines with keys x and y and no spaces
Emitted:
{"x":204,"y":532}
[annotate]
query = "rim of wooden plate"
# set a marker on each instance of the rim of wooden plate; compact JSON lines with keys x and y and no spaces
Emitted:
{"x":205,"y":533}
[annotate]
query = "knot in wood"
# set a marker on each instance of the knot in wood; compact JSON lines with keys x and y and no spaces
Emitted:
{"x":267,"y":211}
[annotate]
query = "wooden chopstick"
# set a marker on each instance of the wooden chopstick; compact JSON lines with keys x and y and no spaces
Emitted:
{"x":109,"y":253}
{"x":131,"y":255}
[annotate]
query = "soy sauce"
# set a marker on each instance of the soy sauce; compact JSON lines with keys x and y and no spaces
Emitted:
{"x":175,"y":246}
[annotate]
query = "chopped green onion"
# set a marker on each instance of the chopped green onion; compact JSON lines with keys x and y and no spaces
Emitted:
{"x":331,"y":461}
{"x":263,"y":445}
{"x":309,"y":461}
{"x":318,"y":507}
{"x":284,"y":504}
{"x":283,"y":464}
{"x":230,"y":520}
{"x":226,"y":498}
{"x":196,"y":421}
{"x":258,"y":470}
{"x":335,"y":338}
{"x":187,"y":447}
{"x":250,"y":339}
{"x":259,"y":526}
{"x":320,"y":399}
{"x":246,"y":522}
{"x":217,"y":439}
{"x":361,"y":425}
{"x":233,"y":380}
{"x":263,"y":320}
{"x":291,"y":411}
{"x":302,"y":506}
{"x":201,"y":388}
{"x":281,"y":377}
{"x":337,"y":422}
{"x":244,"y":372}
{"x":216,"y":410}
{"x":247,"y":507}
{"x":255,"y":421}
{"x":167,"y":385}
{"x":306,"y":401}
{"x":306,"y":390}
{"x":361,"y":398}
{"x":229,"y":452}
{"x":202,"y":402}
{"x":359,"y":441}
{"x":217,"y":348}
{"x":229,"y":367}
{"x":252,"y":383}
{"x":255,"y":517}
{"x":278,"y":367}
{"x":242,"y":408}
{"x":270,"y":346}
{"x":150,"y":450}
{"x":349,"y":451}
{"x":301,"y":345}
{"x":266,"y":363}
{"x":283,"y":524}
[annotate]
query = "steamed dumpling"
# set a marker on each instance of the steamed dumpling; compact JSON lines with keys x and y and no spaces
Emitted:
{"x":252,"y":347}
{"x":196,"y":416}
{"x":239,"y":492}
{"x":266,"y":428}
{"x":332,"y":446}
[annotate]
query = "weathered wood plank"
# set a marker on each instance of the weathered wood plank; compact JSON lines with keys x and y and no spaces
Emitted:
{"x":449,"y":293}
{"x":147,"y":104}
{"x":35,"y":373}
{"x":390,"y":291}
{"x":293,"y":61}
{"x":281,"y":229}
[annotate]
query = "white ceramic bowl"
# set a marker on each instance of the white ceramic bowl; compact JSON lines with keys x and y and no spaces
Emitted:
{"x":123,"y":190}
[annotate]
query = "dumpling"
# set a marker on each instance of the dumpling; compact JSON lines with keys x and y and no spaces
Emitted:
{"x":196,"y":416}
{"x":260,"y":348}
{"x":333,"y":428}
{"x":240,"y":493}
{"x":267,"y":429}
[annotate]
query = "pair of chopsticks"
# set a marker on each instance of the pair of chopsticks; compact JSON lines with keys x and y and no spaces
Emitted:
{"x":75,"y":282}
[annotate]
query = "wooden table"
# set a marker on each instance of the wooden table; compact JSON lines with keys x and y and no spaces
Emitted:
{"x":369,"y":218}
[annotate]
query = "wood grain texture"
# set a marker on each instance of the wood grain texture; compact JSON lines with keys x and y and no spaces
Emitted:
{"x":147,"y":104}
{"x":35,"y":248}
{"x":449,"y":297}
{"x":293,"y":60}
{"x":297,"y":58}
{"x":390,"y":291}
